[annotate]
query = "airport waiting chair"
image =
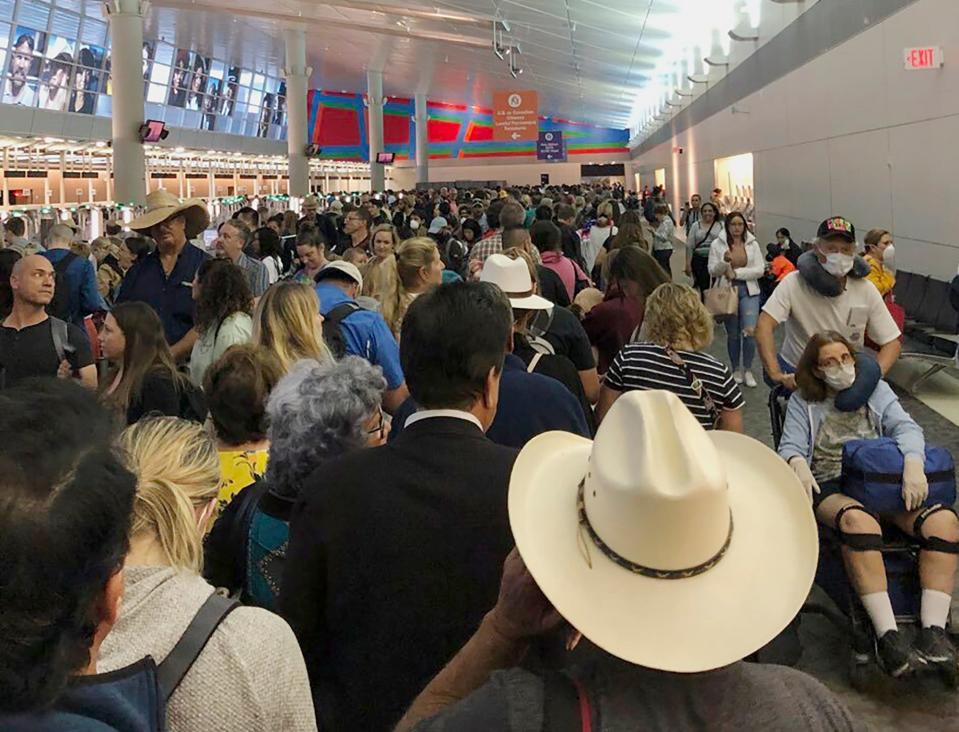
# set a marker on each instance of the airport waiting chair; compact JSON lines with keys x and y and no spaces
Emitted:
{"x":931,"y":320}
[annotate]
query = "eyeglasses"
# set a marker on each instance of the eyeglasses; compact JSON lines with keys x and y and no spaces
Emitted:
{"x":379,"y":426}
{"x":847,"y":358}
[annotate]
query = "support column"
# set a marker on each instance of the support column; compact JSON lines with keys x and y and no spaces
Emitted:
{"x":126,"y":37}
{"x":374,"y":94}
{"x":297,"y":75}
{"x":63,"y":187}
{"x":421,"y":122}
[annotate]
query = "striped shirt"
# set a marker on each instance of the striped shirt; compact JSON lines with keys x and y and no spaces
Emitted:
{"x":645,"y":366}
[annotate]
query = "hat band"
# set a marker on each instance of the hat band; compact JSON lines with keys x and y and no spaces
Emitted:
{"x":518,"y":295}
{"x":639,"y":568}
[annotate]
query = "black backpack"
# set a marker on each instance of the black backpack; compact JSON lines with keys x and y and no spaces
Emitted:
{"x":59,"y":306}
{"x":332,"y":333}
{"x":457,"y":257}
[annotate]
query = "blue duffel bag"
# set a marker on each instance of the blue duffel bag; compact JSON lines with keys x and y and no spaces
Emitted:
{"x":872,"y":474}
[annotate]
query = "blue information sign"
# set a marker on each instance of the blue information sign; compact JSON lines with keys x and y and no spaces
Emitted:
{"x":550,"y":146}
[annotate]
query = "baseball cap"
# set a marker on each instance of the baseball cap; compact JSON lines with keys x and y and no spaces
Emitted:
{"x":344,"y":267}
{"x":837,"y":227}
{"x":437,"y":225}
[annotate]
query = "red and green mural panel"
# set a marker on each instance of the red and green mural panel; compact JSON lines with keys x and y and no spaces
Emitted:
{"x":339,"y":124}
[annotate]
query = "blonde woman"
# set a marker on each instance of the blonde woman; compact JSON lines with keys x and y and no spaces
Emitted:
{"x":678,"y":327}
{"x":379,"y":273}
{"x":251,"y":674}
{"x":288,"y":323}
{"x":418,"y":268}
{"x":599,"y":232}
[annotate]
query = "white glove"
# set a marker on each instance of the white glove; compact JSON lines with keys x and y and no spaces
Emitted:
{"x":801,"y":469}
{"x":915,"y":487}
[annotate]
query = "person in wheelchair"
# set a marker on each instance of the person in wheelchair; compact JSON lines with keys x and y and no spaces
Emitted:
{"x":812,"y":443}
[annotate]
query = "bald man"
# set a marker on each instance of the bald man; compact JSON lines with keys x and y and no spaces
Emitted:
{"x":34,"y":344}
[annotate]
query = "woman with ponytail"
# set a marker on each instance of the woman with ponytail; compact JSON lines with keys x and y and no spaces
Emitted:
{"x":418,"y":268}
{"x":250,"y":675}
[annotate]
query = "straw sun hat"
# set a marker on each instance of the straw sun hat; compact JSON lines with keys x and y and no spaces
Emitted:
{"x":162,"y":205}
{"x":667,"y":546}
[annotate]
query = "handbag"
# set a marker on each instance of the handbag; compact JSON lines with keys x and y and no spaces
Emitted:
{"x":721,"y":300}
{"x":872,"y":474}
{"x":696,"y":383}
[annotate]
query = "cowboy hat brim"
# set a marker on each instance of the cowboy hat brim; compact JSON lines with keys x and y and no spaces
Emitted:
{"x":531,"y":302}
{"x":681,"y":625}
{"x":194,"y":209}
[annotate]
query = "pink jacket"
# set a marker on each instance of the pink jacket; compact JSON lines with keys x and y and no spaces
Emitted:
{"x":569,"y":272}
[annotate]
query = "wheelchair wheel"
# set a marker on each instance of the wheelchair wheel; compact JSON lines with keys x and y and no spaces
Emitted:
{"x":951,"y":677}
{"x":860,"y":674}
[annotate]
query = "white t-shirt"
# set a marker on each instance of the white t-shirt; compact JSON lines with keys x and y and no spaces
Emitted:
{"x":24,"y":97}
{"x":857,"y":312}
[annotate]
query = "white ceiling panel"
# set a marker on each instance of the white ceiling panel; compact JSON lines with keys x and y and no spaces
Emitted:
{"x":598,"y":61}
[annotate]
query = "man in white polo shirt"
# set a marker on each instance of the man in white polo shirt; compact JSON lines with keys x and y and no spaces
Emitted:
{"x":829,"y":292}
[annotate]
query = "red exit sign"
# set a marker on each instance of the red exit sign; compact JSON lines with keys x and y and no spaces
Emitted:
{"x":928,"y":57}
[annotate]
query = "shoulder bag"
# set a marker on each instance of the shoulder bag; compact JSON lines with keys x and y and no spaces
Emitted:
{"x":696,"y":383}
{"x":721,"y":299}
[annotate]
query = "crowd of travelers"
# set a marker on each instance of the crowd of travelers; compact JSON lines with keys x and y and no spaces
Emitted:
{"x":442,"y":460}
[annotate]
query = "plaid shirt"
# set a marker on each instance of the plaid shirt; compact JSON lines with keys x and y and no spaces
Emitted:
{"x":493,"y":244}
{"x":256,"y":274}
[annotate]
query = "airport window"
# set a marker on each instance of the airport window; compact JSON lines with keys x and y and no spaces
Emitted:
{"x":56,"y":56}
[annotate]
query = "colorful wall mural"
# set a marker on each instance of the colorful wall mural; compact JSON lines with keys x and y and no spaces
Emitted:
{"x":338,"y":124}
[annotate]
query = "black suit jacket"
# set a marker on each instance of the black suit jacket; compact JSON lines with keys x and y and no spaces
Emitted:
{"x":395,"y":555}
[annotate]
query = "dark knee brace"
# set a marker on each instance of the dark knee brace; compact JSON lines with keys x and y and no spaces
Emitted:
{"x":858,"y":542}
{"x":934,"y":543}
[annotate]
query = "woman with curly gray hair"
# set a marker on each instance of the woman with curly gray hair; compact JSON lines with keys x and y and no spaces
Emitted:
{"x":316,"y":412}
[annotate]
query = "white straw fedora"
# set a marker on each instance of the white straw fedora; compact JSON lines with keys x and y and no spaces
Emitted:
{"x":512,"y":277}
{"x":667,"y":546}
{"x":162,"y":205}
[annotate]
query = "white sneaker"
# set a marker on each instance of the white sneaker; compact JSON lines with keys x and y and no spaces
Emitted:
{"x":751,"y":380}
{"x":738,"y":376}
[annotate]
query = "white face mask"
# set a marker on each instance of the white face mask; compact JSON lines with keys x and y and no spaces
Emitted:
{"x":414,"y":224}
{"x":838,"y":264}
{"x":840,"y":377}
{"x":890,"y":254}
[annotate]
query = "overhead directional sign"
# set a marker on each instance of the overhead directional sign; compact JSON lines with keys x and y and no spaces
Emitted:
{"x":551,"y":146}
{"x":515,"y":116}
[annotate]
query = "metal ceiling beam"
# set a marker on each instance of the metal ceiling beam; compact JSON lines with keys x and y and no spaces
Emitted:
{"x":305,"y":20}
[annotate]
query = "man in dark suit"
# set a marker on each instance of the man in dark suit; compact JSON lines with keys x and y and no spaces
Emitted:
{"x":395,"y":552}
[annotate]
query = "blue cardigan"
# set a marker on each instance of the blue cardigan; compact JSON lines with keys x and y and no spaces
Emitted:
{"x":803,"y":420}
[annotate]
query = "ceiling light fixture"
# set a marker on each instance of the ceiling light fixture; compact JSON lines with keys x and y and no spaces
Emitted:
{"x":514,"y":68}
{"x":500,"y":48}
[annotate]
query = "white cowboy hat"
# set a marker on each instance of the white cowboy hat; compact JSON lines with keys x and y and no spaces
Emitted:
{"x":512,"y":277}
{"x":162,"y":205}
{"x":667,"y":546}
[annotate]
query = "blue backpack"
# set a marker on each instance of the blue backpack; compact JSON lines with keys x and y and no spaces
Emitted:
{"x":872,"y":474}
{"x":130,"y":699}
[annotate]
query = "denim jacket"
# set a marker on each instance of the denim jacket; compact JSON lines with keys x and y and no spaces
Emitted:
{"x":803,"y":420}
